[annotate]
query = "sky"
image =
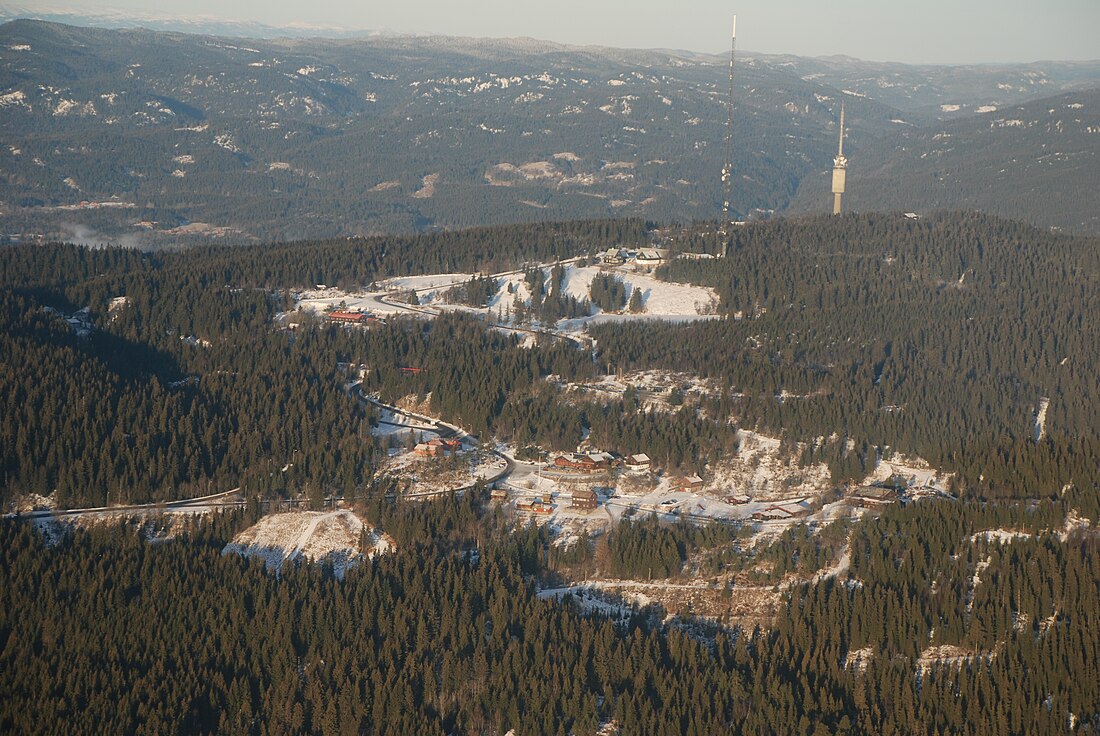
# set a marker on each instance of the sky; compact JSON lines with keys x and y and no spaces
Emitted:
{"x":915,"y":31}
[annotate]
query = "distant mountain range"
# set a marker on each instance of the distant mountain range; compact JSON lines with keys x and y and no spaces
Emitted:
{"x":171,"y":22}
{"x":162,"y":137}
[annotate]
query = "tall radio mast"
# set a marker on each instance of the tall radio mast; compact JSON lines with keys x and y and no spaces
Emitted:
{"x":727,"y":169}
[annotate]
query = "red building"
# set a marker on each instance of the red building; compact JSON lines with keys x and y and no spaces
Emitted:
{"x":348,"y":318}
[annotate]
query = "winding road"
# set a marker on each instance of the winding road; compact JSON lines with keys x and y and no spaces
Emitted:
{"x":443,"y":429}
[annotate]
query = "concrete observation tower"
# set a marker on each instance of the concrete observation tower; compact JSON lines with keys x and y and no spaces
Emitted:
{"x":840,"y":166}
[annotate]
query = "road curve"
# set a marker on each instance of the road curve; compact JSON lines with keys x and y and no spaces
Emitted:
{"x":443,"y":429}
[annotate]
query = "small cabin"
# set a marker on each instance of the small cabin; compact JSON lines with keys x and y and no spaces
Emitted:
{"x":584,"y":499}
{"x":688,"y":483}
{"x":612,"y":257}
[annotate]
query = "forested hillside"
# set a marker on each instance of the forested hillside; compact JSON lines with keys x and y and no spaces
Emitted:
{"x":153,"y":139}
{"x":860,"y":336}
{"x":433,"y":640}
{"x":176,"y":380}
{"x":128,"y":376}
{"x":1036,"y":161}
{"x":938,"y":336}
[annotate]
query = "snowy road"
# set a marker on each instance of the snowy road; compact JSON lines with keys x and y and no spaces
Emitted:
{"x":197,"y":505}
{"x":443,"y":429}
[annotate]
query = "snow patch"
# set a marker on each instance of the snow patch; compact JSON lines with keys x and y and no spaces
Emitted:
{"x":1041,"y":419}
{"x":227,"y":142}
{"x":328,"y":537}
{"x":427,"y":187}
{"x":14,"y":99}
{"x":1001,"y":536}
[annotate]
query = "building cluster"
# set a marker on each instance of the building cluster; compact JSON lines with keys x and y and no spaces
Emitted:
{"x":437,"y":447}
{"x":583,"y":499}
{"x":645,"y":257}
{"x":586,"y":462}
{"x":534,"y":506}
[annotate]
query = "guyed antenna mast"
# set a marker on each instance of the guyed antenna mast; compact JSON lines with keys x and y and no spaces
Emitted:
{"x":727,"y":168}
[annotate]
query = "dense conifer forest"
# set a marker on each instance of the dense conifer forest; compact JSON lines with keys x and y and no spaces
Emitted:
{"x":186,"y":386}
{"x":129,"y":377}
{"x":938,"y":337}
{"x":858,"y":335}
{"x":433,"y":639}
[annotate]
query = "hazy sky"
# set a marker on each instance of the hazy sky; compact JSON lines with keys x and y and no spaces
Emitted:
{"x":938,"y":31}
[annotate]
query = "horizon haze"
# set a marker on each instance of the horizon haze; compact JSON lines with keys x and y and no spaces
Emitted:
{"x":981,"y":32}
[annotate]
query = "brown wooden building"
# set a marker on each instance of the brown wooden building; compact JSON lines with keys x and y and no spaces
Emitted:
{"x":584,"y":499}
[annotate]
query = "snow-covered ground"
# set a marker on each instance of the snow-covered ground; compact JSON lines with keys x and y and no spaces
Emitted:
{"x":32,"y":502}
{"x":331,"y":537}
{"x":948,"y":655}
{"x":760,"y":470}
{"x":435,"y":475}
{"x":661,"y":300}
{"x":1003,"y":536}
{"x":916,"y":474}
{"x":654,"y":387}
{"x":1041,"y":419}
{"x":398,"y":428}
{"x":859,"y":659}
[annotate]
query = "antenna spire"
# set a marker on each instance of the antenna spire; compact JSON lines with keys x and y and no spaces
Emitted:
{"x":727,"y":169}
{"x":840,"y":142}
